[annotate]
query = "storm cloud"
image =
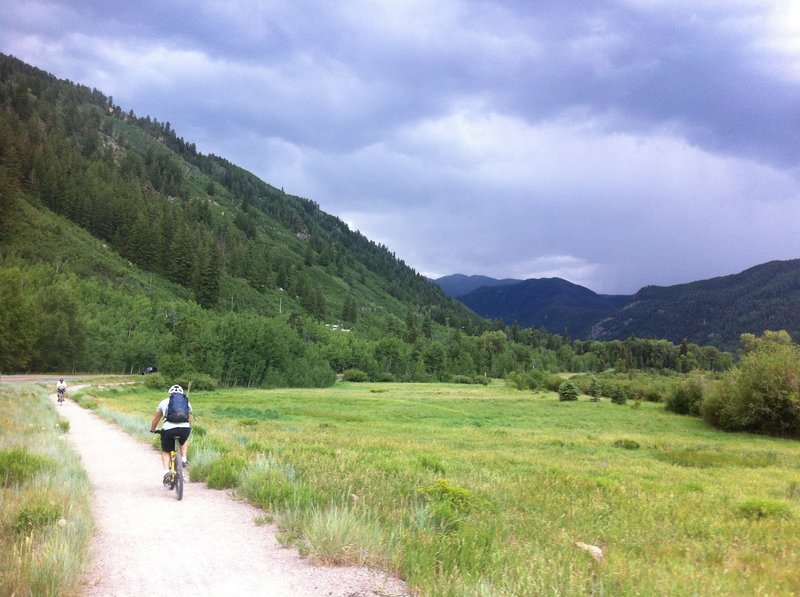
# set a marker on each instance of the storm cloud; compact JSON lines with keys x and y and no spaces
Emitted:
{"x":612,"y":143}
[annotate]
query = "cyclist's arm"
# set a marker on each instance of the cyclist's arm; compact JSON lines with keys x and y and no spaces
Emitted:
{"x":156,"y":419}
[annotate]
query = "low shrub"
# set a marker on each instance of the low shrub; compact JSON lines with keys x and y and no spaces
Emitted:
{"x":653,"y":395}
{"x":338,"y":536}
{"x":445,"y":507}
{"x":759,"y":508}
{"x":17,"y":466}
{"x":225,"y":472}
{"x":626,"y":444}
{"x":274,"y":486}
{"x":439,"y":516}
{"x":686,"y":398}
{"x":385,"y":377}
{"x":467,"y":379}
{"x":463,"y":379}
{"x":518,"y":380}
{"x":202,"y":455}
{"x":442,"y":491}
{"x":194,"y":382}
{"x":87,"y":402}
{"x":698,"y":457}
{"x":550,"y":382}
{"x":35,"y":515}
{"x":355,"y":375}
{"x":202,"y":382}
{"x":156,"y":381}
{"x":432,"y":464}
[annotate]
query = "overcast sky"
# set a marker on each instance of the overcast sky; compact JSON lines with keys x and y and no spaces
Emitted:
{"x":611,"y":143}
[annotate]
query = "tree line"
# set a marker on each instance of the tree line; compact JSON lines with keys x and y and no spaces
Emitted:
{"x":62,"y":322}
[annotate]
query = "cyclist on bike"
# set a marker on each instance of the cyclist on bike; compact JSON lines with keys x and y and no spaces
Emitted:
{"x":61,"y":387}
{"x":171,"y":430}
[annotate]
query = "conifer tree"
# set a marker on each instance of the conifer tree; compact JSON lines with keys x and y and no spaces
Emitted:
{"x":181,"y":258}
{"x":208,"y":275}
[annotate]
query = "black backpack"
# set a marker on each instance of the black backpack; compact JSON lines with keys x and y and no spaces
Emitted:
{"x":178,"y":408}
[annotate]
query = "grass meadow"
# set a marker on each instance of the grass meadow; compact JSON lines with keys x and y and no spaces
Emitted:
{"x":45,"y":516}
{"x":484,"y":491}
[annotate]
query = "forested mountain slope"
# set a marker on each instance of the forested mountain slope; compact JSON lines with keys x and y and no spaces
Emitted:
{"x":197,"y":227}
{"x":715,"y":311}
{"x":133,"y":183}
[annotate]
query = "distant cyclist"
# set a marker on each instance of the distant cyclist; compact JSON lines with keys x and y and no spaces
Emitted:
{"x":176,"y":411}
{"x":61,"y":388}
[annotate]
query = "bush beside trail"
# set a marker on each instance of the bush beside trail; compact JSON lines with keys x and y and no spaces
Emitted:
{"x":761,"y":395}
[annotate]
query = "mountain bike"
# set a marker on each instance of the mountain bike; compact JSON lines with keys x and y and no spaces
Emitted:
{"x":175,"y":480}
{"x":61,"y":394}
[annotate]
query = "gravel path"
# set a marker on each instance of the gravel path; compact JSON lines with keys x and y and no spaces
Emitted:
{"x":140,"y":525}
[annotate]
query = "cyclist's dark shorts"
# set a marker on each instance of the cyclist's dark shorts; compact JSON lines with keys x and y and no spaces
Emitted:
{"x":168,"y":435}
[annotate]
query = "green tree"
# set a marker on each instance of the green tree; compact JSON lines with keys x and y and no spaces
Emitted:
{"x":18,"y":321}
{"x":208,"y":275}
{"x":568,"y":391}
{"x":61,"y":332}
{"x":388,"y":353}
{"x":181,"y":258}
{"x":434,"y":357}
{"x":8,"y":193}
{"x":349,"y":309}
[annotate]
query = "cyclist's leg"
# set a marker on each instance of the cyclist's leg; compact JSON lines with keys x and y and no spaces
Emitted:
{"x":167,"y":444}
{"x":184,"y":435}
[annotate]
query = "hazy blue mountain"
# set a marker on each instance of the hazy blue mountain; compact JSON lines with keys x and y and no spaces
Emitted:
{"x":458,"y":285}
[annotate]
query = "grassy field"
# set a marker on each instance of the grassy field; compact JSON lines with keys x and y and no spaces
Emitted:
{"x":45,"y":516}
{"x":472,"y":490}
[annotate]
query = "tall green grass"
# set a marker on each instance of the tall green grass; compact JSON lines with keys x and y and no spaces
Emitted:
{"x":472,"y":490}
{"x":45,"y":516}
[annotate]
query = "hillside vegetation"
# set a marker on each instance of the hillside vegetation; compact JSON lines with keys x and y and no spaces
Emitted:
{"x":122,"y":246}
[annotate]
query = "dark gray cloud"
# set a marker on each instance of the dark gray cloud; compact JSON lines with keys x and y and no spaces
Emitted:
{"x":613,"y":143}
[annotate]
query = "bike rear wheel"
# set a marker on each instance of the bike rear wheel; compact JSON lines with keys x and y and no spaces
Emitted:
{"x":178,"y":471}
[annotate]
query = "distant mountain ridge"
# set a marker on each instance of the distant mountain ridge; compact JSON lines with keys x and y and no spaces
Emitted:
{"x":458,"y":285}
{"x":553,"y":304}
{"x":714,"y":311}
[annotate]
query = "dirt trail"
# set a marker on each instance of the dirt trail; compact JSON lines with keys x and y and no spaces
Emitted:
{"x":140,"y":525}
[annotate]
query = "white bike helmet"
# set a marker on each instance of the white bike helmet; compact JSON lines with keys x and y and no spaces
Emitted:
{"x":176,"y":389}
